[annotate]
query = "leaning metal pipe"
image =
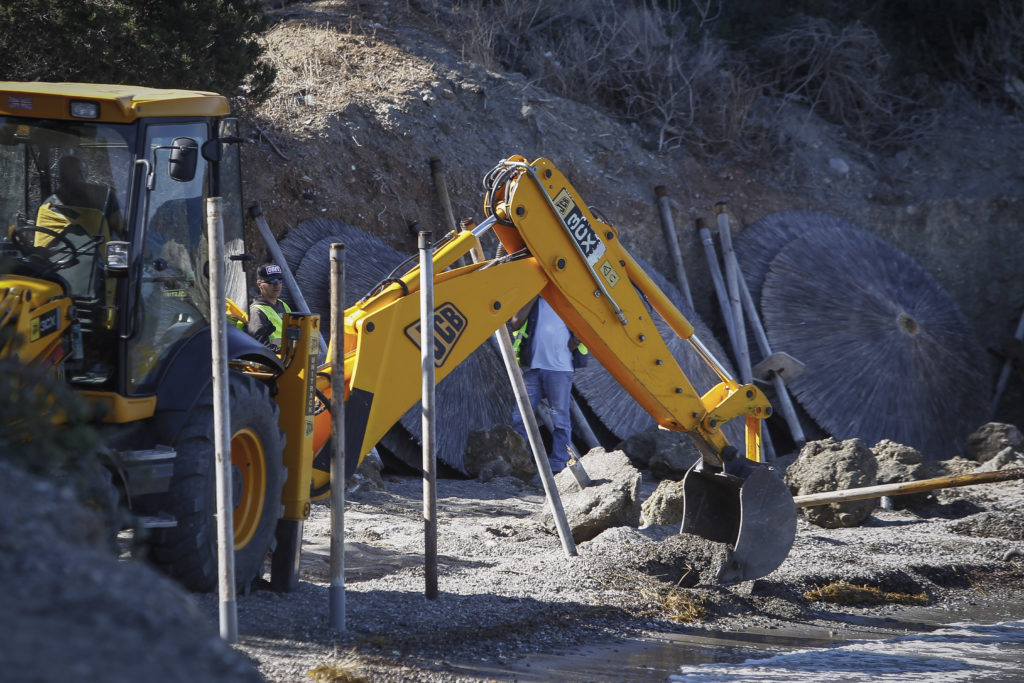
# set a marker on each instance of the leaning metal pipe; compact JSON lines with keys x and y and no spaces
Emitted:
{"x":903,"y":488}
{"x":256,"y":211}
{"x":716,"y":278}
{"x":515,"y":376}
{"x":732,"y":285}
{"x":781,"y":392}
{"x":672,"y":238}
{"x":1004,"y":374}
{"x":221,"y":424}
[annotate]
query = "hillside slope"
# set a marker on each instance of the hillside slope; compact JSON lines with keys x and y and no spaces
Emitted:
{"x":368,"y":92}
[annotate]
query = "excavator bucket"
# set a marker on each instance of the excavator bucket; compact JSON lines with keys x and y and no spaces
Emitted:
{"x":749,"y":508}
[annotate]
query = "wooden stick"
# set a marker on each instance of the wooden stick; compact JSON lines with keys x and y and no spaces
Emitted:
{"x":903,"y":488}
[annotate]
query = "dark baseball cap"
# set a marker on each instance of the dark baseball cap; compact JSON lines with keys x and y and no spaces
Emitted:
{"x":269,"y":271}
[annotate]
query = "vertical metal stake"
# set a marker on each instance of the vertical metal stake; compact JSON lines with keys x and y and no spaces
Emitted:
{"x":429,"y":456}
{"x":336,"y":353}
{"x":221,"y":424}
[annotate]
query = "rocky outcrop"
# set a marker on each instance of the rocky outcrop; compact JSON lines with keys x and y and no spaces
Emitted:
{"x":666,"y":453}
{"x":830,"y":465}
{"x":992,"y":440}
{"x":611,"y":500}
{"x":665,"y":505}
{"x":898,"y":463}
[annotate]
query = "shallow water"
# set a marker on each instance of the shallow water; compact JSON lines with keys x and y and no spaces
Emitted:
{"x":922,"y":644}
{"x":959,"y":652}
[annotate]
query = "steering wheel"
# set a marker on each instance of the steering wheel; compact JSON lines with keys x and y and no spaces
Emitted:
{"x":59,"y":251}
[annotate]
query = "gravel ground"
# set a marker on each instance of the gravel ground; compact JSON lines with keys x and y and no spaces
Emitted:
{"x":508,"y":591}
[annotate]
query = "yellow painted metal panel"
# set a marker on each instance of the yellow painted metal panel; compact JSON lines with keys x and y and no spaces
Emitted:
{"x":118,"y":103}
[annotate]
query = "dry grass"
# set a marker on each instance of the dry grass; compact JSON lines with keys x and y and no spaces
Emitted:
{"x":994,"y":61}
{"x":339,"y":669}
{"x":323,"y":68}
{"x":647,"y":63}
{"x":842,"y":73}
{"x":673,"y":603}
{"x":845,"y":593}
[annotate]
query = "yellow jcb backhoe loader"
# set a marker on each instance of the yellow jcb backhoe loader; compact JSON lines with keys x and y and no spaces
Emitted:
{"x":119,"y":309}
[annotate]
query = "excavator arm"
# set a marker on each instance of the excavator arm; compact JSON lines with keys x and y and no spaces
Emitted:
{"x":554,"y":245}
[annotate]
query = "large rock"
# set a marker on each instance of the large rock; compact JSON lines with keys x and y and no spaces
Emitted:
{"x":898,"y":463}
{"x":829,"y":465}
{"x":498,"y":451}
{"x":992,"y":439}
{"x":368,"y":475}
{"x":71,"y":610}
{"x":665,"y":505}
{"x":666,"y":453}
{"x":612,"y":500}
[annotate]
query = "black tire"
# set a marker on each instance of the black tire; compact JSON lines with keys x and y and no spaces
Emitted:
{"x":188,"y":551}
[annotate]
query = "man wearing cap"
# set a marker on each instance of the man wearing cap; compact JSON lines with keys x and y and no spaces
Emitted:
{"x":266,"y":310}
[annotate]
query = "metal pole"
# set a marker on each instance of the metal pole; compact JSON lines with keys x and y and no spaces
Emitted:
{"x":437,"y":173}
{"x":669,"y":226}
{"x":732,"y":283}
{"x":788,"y":411}
{"x":256,"y":211}
{"x":1004,"y":375}
{"x":221,"y":424}
{"x":336,"y":597}
{"x":540,"y":457}
{"x":427,"y":401}
{"x":580,"y":424}
{"x":716,"y":278}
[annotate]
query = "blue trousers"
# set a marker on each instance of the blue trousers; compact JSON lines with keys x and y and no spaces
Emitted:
{"x":556,"y":387}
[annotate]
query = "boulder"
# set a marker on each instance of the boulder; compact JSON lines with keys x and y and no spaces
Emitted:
{"x":665,"y":505}
{"x":666,"y":453}
{"x":898,"y":463}
{"x":612,"y":500}
{"x":992,"y":439}
{"x":368,"y":474}
{"x":498,"y":451}
{"x":830,"y":465}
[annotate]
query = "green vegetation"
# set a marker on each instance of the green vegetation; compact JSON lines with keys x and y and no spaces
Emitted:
{"x":199,"y":44}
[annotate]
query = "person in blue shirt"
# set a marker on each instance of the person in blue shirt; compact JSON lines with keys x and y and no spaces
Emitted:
{"x":548,"y":353}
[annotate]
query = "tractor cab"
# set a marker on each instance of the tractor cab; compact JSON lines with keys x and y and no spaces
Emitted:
{"x":102,"y":192}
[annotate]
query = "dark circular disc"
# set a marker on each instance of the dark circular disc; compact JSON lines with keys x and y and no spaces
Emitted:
{"x":888,"y":354}
{"x":759,"y":243}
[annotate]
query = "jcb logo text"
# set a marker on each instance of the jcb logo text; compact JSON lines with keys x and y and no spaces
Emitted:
{"x":449,"y":324}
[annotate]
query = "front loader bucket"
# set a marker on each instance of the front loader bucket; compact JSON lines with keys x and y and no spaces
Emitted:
{"x":751,"y":510}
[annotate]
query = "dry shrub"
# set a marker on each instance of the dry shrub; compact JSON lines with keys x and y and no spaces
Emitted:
{"x":843,"y":75}
{"x":993,"y":63}
{"x":846,"y":593}
{"x":322,"y":68}
{"x":339,"y":669}
{"x":681,"y":606}
{"x":648,"y":64}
